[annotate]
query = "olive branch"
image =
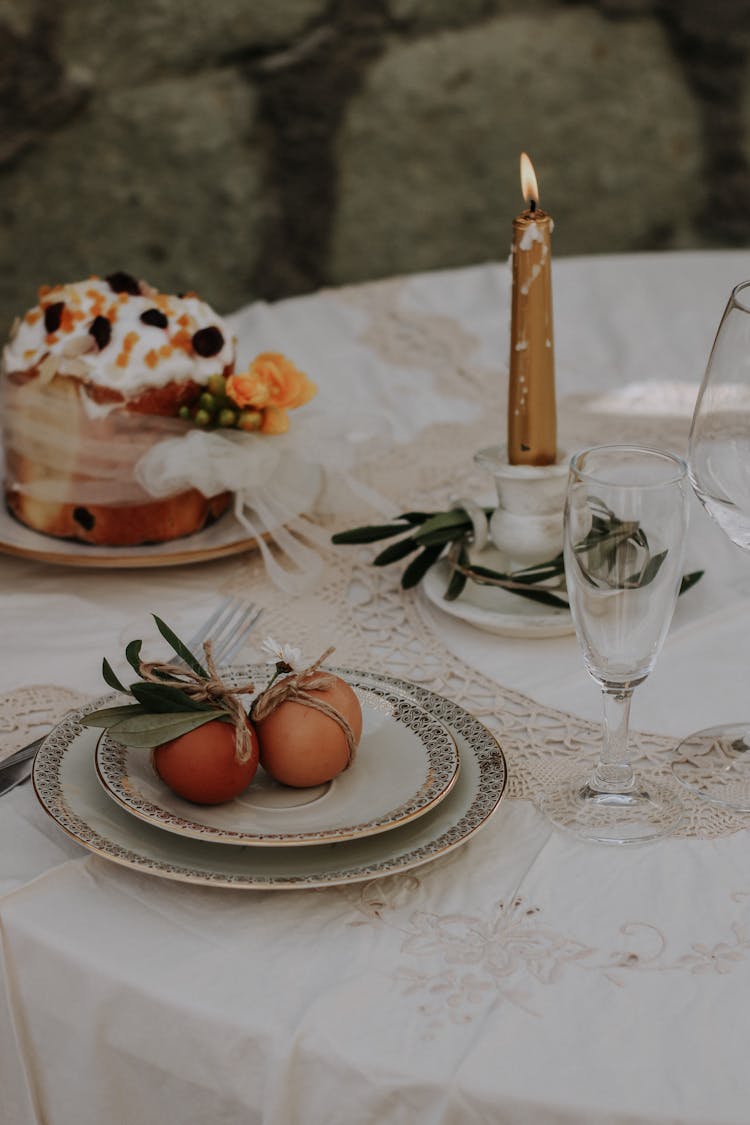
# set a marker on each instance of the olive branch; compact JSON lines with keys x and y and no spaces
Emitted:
{"x":623,"y":555}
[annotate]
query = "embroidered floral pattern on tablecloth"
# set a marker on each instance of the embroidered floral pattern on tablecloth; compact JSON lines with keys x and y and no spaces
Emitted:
{"x":460,"y":965}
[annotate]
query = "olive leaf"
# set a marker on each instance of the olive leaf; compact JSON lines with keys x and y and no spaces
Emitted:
{"x":508,"y":582}
{"x":108,"y":716}
{"x":133,"y":656}
{"x":458,"y":578}
{"x":419,"y":566}
{"x":689,"y":580}
{"x":179,"y":647}
{"x":396,"y":551}
{"x":368,"y":534}
{"x":649,"y":571}
{"x":147,"y":730}
{"x":545,"y":597}
{"x":163,"y":698}
{"x":110,"y":678}
{"x":442,"y":527}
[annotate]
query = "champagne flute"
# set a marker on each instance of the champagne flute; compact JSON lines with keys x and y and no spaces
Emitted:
{"x":715,"y":763}
{"x":626,"y":515}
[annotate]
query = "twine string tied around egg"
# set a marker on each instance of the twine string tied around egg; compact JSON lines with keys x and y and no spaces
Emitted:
{"x":299,"y":687}
{"x":211,"y":689}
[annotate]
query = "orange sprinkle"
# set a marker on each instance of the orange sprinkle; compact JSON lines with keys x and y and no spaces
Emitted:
{"x":28,"y":353}
{"x":130,"y":341}
{"x":123,"y":359}
{"x":123,"y":297}
{"x":44,"y":290}
{"x":166,"y":350}
{"x":94,"y":295}
{"x":51,"y":338}
{"x":183,"y":339}
{"x":184,"y":320}
{"x":33,"y":316}
{"x":151,"y":358}
{"x":66,"y":320}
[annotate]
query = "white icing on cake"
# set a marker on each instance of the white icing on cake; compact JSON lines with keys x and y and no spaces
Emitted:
{"x":137,"y":355}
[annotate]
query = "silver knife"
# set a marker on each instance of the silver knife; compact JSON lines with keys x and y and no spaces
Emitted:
{"x":21,"y":755}
{"x":15,"y":775}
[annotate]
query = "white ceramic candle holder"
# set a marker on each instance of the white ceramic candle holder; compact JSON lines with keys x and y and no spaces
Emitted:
{"x":527,"y":525}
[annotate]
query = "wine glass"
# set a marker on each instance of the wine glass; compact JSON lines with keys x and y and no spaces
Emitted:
{"x":715,"y":763}
{"x":626,"y":515}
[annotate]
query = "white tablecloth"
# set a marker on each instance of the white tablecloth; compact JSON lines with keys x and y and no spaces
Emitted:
{"x":525,"y":977}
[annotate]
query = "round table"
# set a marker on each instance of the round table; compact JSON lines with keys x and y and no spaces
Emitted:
{"x":524,"y":977}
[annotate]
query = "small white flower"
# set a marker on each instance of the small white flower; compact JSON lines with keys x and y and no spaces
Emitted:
{"x":283,"y":654}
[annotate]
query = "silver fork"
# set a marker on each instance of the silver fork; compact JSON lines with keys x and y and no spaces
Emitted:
{"x":227,"y":629}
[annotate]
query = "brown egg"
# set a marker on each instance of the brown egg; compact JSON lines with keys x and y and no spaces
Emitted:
{"x":300,"y":746}
{"x":201,"y":766}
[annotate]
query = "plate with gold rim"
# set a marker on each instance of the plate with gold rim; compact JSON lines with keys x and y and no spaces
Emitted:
{"x":406,"y":762}
{"x":225,"y":537}
{"x":67,"y":788}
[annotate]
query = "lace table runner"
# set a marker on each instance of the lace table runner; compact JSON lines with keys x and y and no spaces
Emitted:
{"x":377,"y":626}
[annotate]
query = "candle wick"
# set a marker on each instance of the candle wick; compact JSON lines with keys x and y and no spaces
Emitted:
{"x":532,"y":205}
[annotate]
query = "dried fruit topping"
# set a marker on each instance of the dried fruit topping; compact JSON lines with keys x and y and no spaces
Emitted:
{"x":208,"y":341}
{"x":84,"y":517}
{"x":123,"y":283}
{"x":101,"y":330}
{"x":154,"y":317}
{"x":53,"y":316}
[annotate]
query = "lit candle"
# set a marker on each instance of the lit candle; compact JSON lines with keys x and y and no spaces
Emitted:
{"x":532,"y":418}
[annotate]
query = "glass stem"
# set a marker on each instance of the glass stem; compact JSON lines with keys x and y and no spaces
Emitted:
{"x":614,"y":773}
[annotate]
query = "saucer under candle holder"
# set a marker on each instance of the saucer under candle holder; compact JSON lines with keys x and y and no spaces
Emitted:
{"x":527,"y":524}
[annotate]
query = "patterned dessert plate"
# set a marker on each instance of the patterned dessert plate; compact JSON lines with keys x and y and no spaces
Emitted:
{"x":66,"y":785}
{"x":406,"y":762}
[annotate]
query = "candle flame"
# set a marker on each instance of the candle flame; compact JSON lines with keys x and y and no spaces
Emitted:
{"x":528,"y":180}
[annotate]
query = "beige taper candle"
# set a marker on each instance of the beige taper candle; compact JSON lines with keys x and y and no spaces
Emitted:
{"x":532,"y":413}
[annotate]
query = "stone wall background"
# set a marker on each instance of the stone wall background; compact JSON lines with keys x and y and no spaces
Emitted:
{"x":262,"y":148}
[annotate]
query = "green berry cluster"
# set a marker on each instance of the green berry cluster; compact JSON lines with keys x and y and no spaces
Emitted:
{"x":215,"y":409}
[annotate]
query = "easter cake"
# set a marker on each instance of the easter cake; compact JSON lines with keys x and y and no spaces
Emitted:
{"x":96,"y":373}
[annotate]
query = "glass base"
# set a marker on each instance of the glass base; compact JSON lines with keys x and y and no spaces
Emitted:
{"x":715,"y":765}
{"x":647,"y":812}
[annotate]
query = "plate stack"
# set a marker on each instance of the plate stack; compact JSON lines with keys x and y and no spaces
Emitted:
{"x":427,"y":775}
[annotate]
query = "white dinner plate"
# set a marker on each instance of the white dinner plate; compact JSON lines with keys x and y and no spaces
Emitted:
{"x":66,"y":785}
{"x":492,"y":609}
{"x":406,"y":762}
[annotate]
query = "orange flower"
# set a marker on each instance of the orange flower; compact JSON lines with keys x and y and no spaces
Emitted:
{"x":271,"y":381}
